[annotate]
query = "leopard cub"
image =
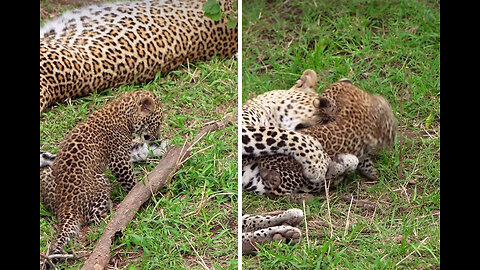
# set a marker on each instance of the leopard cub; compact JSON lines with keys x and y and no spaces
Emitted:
{"x":75,"y":187}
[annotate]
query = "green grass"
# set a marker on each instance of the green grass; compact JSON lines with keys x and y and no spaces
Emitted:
{"x":386,"y":47}
{"x":162,"y":234}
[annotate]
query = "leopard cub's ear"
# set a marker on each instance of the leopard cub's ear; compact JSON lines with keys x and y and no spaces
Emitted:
{"x":146,"y":105}
{"x":321,"y":103}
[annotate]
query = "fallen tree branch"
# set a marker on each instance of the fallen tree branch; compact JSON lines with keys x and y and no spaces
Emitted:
{"x":143,"y":190}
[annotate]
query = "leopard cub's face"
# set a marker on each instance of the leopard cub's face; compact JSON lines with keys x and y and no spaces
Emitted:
{"x":326,"y":110}
{"x":148,"y":118}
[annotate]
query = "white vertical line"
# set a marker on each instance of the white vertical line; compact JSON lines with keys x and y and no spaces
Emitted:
{"x":239,"y":121}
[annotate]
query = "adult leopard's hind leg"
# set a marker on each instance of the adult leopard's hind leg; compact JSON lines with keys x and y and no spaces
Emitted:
{"x":290,"y":217}
{"x":274,"y":226}
{"x":288,"y":234}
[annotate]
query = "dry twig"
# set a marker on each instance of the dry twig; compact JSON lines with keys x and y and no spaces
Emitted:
{"x":327,"y":187}
{"x":204,"y":202}
{"x":347,"y":223}
{"x":261,"y":69}
{"x":196,"y":253}
{"x":305,"y":220}
{"x":48,"y":258}
{"x":359,"y":203}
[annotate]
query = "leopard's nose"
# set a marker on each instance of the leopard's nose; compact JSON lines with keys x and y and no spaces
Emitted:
{"x":147,"y":137}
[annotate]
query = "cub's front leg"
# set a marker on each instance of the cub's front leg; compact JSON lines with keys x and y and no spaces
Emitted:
{"x":122,"y":168}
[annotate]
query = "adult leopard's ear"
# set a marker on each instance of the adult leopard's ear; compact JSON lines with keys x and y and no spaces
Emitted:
{"x":346,"y":81}
{"x":146,"y":105}
{"x":308,"y":81}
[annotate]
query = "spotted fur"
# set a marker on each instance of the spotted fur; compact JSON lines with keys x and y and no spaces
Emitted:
{"x":141,"y":151}
{"x":274,"y":226}
{"x":104,"y":46}
{"x":269,"y":122}
{"x":75,"y":187}
{"x":276,"y":176}
{"x":363,"y":125}
{"x":291,"y":111}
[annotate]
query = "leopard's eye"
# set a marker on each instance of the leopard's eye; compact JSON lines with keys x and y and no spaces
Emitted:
{"x":301,"y":126}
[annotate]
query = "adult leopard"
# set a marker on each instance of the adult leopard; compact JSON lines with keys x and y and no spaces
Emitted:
{"x":352,"y":125}
{"x":104,"y":46}
{"x":107,"y":45}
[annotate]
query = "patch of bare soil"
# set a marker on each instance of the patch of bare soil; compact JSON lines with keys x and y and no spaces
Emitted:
{"x":121,"y":258}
